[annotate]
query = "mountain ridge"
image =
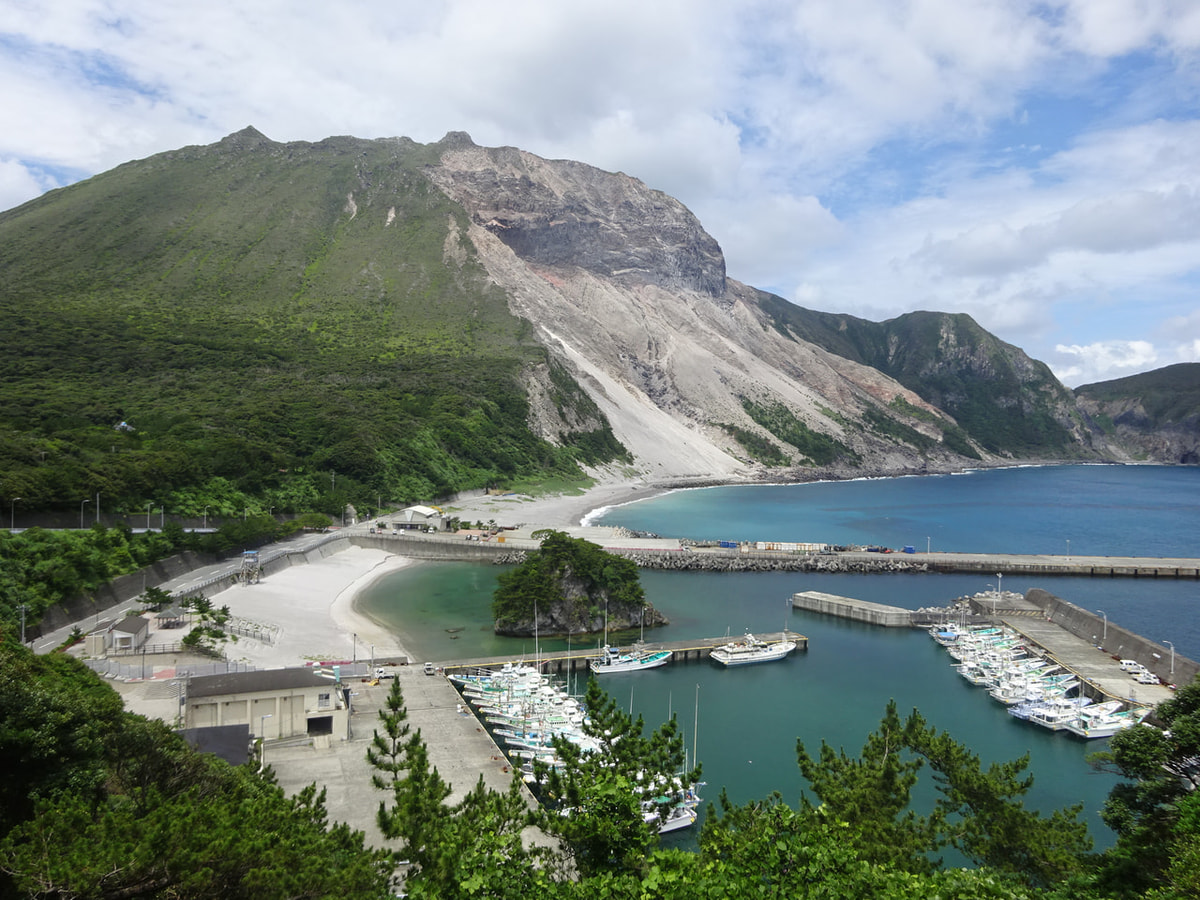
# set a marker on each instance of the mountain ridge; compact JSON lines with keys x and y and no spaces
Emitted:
{"x":411,"y":320}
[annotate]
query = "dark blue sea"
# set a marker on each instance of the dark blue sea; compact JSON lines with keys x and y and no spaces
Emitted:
{"x":744,"y":723}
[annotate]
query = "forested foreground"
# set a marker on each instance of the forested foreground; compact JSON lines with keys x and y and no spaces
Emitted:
{"x":99,"y":803}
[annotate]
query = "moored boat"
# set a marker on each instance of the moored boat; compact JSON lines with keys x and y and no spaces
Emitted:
{"x":750,"y":649}
{"x":613,"y":660}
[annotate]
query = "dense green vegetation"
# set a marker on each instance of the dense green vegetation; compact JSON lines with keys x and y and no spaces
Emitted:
{"x":292,"y":326}
{"x":40,"y":568}
{"x":1170,"y":395}
{"x":1006,"y":402}
{"x":756,"y":446}
{"x":817,"y":448}
{"x":98,"y":803}
{"x":567,"y":580}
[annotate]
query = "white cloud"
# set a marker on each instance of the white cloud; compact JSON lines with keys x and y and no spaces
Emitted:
{"x":1030,"y":162}
{"x":18,"y":183}
{"x":1102,"y":361}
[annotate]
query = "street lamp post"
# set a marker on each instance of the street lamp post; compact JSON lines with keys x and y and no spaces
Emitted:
{"x":12,"y":513}
{"x":1103,"y":613}
{"x":82,"y":504}
{"x":205,"y":525}
{"x":999,"y":583}
{"x":1172,"y":646}
{"x":148,"y":505}
{"x":22,"y":608}
{"x":262,"y":739}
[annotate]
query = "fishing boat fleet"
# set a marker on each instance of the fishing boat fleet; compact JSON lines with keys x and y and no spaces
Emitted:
{"x":1032,"y":687}
{"x":526,"y":710}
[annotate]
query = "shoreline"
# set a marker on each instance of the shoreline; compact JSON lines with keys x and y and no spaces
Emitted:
{"x":304,"y":601}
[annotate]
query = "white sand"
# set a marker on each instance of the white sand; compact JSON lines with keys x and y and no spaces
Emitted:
{"x":311,"y":608}
{"x":552,"y":509}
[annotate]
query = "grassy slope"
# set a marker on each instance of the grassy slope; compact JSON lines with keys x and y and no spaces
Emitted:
{"x":1170,"y":395}
{"x":229,"y":304}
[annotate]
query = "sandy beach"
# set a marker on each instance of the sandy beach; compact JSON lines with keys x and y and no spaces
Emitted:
{"x":553,"y":510}
{"x":310,"y":609}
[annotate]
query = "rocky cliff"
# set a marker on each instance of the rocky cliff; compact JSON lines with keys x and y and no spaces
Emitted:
{"x":628,"y":292}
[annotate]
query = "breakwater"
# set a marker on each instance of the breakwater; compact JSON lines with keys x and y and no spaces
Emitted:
{"x":682,"y":556}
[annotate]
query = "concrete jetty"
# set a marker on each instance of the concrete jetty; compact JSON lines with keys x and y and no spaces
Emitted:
{"x":849,"y":608}
{"x":558,"y":662}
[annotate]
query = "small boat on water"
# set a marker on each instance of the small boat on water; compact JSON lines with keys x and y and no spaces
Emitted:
{"x":750,"y":649}
{"x":635,"y":660}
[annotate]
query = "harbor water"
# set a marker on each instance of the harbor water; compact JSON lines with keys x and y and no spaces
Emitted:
{"x":744,"y":723}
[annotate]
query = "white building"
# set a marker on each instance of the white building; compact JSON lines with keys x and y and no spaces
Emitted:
{"x":275,"y":703}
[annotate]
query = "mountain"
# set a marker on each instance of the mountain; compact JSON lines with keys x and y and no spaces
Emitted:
{"x":1154,"y":415}
{"x":310,"y":324}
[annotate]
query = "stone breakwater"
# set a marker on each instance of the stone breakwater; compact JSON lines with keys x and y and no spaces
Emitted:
{"x":704,"y":562}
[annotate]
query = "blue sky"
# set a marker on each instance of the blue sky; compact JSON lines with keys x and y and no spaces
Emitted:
{"x":1033,"y":164}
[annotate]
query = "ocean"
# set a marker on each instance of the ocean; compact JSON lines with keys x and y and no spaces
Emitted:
{"x":744,"y":723}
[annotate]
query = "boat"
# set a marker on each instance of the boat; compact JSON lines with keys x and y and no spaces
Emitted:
{"x":750,"y":649}
{"x":612,"y":659}
{"x":677,"y":818}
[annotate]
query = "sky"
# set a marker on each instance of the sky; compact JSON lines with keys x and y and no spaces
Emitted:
{"x":1035,"y":165}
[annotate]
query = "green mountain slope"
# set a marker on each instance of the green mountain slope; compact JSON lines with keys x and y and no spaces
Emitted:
{"x":1007,"y":402}
{"x":297,"y":322}
{"x":1154,"y":415}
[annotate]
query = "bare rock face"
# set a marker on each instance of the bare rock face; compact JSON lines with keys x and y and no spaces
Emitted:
{"x":562,"y":213}
{"x":629,"y":294}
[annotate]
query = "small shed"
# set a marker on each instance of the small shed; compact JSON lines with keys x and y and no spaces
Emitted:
{"x":130,"y":633}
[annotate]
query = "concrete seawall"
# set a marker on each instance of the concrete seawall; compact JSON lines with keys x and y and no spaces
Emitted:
{"x":1115,"y":640}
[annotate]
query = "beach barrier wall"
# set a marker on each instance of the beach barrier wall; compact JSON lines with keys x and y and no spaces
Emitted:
{"x":1115,"y":640}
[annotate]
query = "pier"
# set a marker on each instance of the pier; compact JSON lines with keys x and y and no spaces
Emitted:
{"x":561,"y":662}
{"x":849,"y":608}
{"x":1074,"y":638}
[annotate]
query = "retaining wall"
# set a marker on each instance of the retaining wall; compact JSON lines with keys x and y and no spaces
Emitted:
{"x":1120,"y":642}
{"x":120,"y":590}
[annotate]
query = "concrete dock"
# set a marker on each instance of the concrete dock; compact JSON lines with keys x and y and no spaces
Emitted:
{"x":849,"y":608}
{"x":559,"y":662}
{"x":1072,"y":637}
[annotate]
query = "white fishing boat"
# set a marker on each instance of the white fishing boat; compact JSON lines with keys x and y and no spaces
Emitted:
{"x":750,"y":649}
{"x":678,"y":818}
{"x":612,"y":659}
{"x":1104,"y":721}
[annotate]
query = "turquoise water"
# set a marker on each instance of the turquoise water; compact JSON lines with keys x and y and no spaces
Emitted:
{"x":750,"y":718}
